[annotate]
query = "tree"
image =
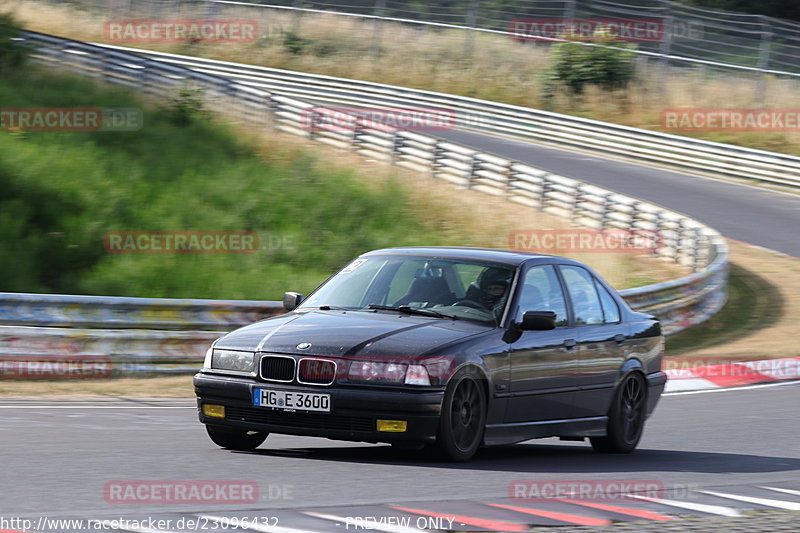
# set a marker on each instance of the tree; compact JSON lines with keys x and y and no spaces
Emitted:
{"x":609,"y":64}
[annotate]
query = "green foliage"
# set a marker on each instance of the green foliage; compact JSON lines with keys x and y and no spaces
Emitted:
{"x":575,"y":65}
{"x":186,"y":106}
{"x":63,"y":191}
{"x":295,"y":44}
{"x":12,"y":54}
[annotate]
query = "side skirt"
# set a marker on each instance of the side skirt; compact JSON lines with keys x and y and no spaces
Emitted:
{"x":497,"y":434}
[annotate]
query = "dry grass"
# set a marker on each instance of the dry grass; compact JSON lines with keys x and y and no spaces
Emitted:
{"x":150,"y":387}
{"x":760,"y":318}
{"x":500,"y":69}
{"x":485,"y":219}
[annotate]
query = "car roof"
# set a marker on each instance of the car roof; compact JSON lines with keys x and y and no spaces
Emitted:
{"x":508,"y":257}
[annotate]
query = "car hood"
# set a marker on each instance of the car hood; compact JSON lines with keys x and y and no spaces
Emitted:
{"x":344,"y":333}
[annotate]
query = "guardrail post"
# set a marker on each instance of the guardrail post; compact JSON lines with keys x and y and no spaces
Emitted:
{"x":546,"y":187}
{"x":604,"y":215}
{"x":574,"y":209}
{"x":355,"y":139}
{"x":397,"y":143}
{"x":313,"y":117}
{"x":435,"y":156}
{"x":763,"y":60}
{"x":296,"y":15}
{"x":661,"y":227}
{"x":701,"y":250}
{"x":666,"y":43}
{"x":635,"y":214}
{"x":380,"y":7}
{"x":472,"y":18}
{"x":684,"y":248}
{"x":473,"y":166}
{"x":510,"y":176}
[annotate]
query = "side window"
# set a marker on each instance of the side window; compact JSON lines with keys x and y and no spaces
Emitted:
{"x":610,"y":307}
{"x":541,"y":291}
{"x":582,"y":292}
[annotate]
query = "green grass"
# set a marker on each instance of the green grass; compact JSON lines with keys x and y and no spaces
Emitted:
{"x":62,"y":191}
{"x":752,"y":305}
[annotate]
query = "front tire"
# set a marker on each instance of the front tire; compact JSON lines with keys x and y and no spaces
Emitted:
{"x":625,"y":418}
{"x":233,"y":439}
{"x":463,"y":418}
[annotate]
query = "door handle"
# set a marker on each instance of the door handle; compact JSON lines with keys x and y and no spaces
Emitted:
{"x":570,"y":344}
{"x":619,"y":338}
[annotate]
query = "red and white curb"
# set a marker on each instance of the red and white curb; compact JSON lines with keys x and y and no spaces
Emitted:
{"x":682,"y":377}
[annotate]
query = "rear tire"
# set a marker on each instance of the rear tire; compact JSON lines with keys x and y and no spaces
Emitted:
{"x":463,"y":418}
{"x":234,"y":439}
{"x":625,"y":418}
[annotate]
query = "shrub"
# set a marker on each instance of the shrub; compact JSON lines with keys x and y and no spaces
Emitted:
{"x":576,"y":65}
{"x":12,"y":54}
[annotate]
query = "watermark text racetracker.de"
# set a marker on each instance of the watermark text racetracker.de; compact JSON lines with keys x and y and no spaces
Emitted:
{"x":605,"y":490}
{"x":181,"y":31}
{"x":191,"y":491}
{"x":351,"y":119}
{"x":180,"y":242}
{"x":609,"y":29}
{"x":731,"y":120}
{"x":27,"y":367}
{"x":563,"y":241}
{"x":148,"y":523}
{"x":71,"y":119}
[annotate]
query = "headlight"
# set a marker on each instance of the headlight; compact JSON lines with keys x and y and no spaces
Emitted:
{"x":377,"y":372}
{"x":232,"y":360}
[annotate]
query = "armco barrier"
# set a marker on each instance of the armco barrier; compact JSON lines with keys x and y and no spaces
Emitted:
{"x":145,"y":335}
{"x":676,"y":152}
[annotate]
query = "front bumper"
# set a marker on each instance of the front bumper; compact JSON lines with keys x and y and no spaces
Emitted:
{"x":354,"y":410}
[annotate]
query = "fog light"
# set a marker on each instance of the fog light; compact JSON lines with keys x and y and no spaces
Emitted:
{"x":216,"y":411}
{"x":393,"y":426}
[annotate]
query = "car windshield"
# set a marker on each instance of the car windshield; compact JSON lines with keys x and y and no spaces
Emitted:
{"x":469,"y":290}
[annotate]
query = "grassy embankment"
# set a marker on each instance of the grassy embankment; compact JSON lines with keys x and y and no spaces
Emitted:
{"x":500,"y":69}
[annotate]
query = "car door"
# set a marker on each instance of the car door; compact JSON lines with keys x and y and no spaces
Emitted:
{"x":601,"y":337}
{"x":542,"y":363}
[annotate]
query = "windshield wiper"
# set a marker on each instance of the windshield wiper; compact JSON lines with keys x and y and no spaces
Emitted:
{"x":412,"y":310}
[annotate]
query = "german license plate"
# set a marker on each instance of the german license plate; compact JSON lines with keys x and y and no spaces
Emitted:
{"x":292,"y":400}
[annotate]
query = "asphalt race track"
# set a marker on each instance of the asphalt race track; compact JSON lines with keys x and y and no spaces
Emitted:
{"x":58,"y":455}
{"x":740,"y":212}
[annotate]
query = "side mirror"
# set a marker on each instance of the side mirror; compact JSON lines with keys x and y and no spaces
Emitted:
{"x":291,"y":300}
{"x":537,"y":321}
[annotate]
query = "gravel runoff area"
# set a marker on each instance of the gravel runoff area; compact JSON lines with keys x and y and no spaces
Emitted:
{"x":750,"y":521}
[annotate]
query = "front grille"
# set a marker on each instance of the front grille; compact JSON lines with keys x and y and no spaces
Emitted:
{"x":277,"y":368}
{"x":316,"y":371}
{"x":299,"y":420}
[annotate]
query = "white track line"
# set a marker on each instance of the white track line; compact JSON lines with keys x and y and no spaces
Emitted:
{"x":263,"y":528}
{"x":732,"y":389}
{"x":372,"y":525}
{"x":779,"y":504}
{"x":701,"y":507}
{"x":787,"y":491}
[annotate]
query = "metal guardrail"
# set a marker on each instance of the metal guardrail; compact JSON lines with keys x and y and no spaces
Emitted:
{"x":678,"y":303}
{"x":633,"y":144}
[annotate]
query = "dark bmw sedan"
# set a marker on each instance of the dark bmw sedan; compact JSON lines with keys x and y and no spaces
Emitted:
{"x":443,"y":348}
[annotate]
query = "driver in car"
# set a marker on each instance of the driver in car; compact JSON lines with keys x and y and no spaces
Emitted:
{"x":491,"y":290}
